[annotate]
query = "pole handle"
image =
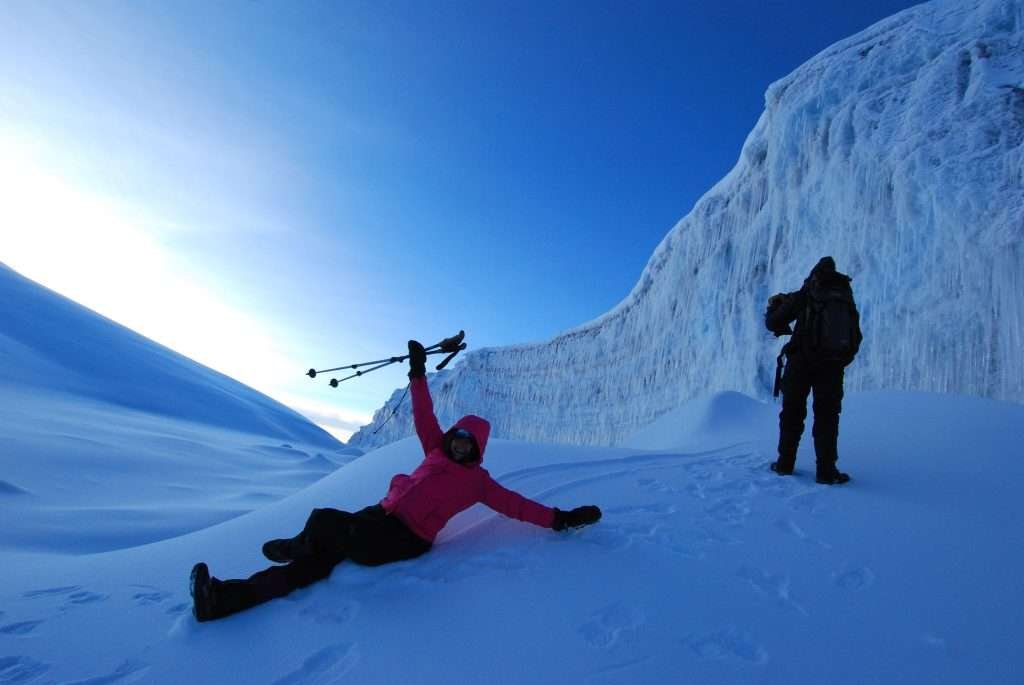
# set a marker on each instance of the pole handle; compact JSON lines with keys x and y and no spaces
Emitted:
{"x":444,"y":362}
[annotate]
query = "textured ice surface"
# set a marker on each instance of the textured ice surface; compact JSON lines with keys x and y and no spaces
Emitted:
{"x":897,"y":151}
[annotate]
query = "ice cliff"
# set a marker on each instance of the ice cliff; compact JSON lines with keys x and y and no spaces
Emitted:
{"x":899,"y":152}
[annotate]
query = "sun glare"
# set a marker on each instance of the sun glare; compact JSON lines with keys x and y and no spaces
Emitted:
{"x":108,"y":256}
{"x":113,"y":258}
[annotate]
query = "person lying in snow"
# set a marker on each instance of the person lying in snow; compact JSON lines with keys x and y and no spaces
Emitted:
{"x":402,"y":526}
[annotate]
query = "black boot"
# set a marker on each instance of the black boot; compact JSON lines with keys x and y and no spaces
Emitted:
{"x":830,"y":475}
{"x":201,"y":589}
{"x":286,"y":550}
{"x":785,"y":463}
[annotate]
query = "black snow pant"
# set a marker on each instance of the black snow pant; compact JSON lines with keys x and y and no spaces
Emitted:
{"x":370,"y":537}
{"x":799,"y":379}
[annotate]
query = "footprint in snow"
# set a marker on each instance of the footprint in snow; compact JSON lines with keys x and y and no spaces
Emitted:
{"x":20,"y":628}
{"x":147,"y":595}
{"x":52,"y":592}
{"x":327,"y":665}
{"x":74,"y":595}
{"x":735,"y":486}
{"x":854,"y":578}
{"x":15,"y":670}
{"x":730,"y":511}
{"x":771,"y":484}
{"x":727,"y":644}
{"x":773,"y":586}
{"x":184,"y":607}
{"x":85,"y":598}
{"x":809,"y":503}
{"x":608,"y":625}
{"x":791,"y":527}
{"x":130,"y":671}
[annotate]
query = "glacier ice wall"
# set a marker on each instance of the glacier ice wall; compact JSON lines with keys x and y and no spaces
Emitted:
{"x":899,"y":152}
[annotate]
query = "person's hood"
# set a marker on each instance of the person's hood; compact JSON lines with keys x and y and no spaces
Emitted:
{"x":478,"y":427}
{"x":825,"y":272}
{"x":825,"y":267}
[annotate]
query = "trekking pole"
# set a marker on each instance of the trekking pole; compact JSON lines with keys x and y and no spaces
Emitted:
{"x":450,"y":346}
{"x":382,"y":364}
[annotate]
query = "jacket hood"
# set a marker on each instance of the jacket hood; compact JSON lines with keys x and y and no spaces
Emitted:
{"x":825,"y":272}
{"x":478,"y":427}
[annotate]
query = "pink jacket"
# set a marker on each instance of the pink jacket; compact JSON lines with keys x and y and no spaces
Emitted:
{"x":440,"y":488}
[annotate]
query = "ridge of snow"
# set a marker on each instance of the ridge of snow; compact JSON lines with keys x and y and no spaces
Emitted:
{"x":899,"y":152}
{"x":56,"y":346}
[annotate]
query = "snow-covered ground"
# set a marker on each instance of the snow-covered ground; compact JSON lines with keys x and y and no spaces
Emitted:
{"x":109,"y":440}
{"x":900,"y":152}
{"x":706,"y":568}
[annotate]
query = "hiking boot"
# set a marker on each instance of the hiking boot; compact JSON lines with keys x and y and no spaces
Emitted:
{"x":832,"y":477}
{"x":781,"y":469}
{"x":285,"y":550}
{"x":201,"y":589}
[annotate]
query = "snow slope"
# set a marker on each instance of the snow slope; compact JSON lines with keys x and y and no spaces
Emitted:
{"x":899,"y":152}
{"x":706,"y":568}
{"x":109,"y":435}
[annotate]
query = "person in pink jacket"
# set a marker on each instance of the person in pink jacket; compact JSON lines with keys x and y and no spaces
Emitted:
{"x":403,"y":525}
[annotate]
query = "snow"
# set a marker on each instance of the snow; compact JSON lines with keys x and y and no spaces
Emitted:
{"x":706,"y":567}
{"x":124,"y":442}
{"x":122,"y":463}
{"x":898,"y":151}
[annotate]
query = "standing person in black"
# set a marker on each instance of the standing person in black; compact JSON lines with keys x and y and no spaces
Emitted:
{"x":825,"y":340}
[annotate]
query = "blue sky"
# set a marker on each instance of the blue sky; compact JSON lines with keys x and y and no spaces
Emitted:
{"x":269,"y":186}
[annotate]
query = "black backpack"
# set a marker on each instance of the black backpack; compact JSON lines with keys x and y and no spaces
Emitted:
{"x":828,"y":327}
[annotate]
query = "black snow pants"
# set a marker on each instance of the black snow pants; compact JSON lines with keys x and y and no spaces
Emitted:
{"x":370,"y":537}
{"x":799,"y":379}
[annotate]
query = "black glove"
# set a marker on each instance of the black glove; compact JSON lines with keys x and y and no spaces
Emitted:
{"x":772,"y":312}
{"x":578,"y":517}
{"x":417,"y":360}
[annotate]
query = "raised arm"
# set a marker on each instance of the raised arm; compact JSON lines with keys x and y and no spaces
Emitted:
{"x":427,"y":427}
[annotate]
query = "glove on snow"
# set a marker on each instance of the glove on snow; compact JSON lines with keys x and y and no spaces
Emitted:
{"x":417,"y":360}
{"x":578,"y":517}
